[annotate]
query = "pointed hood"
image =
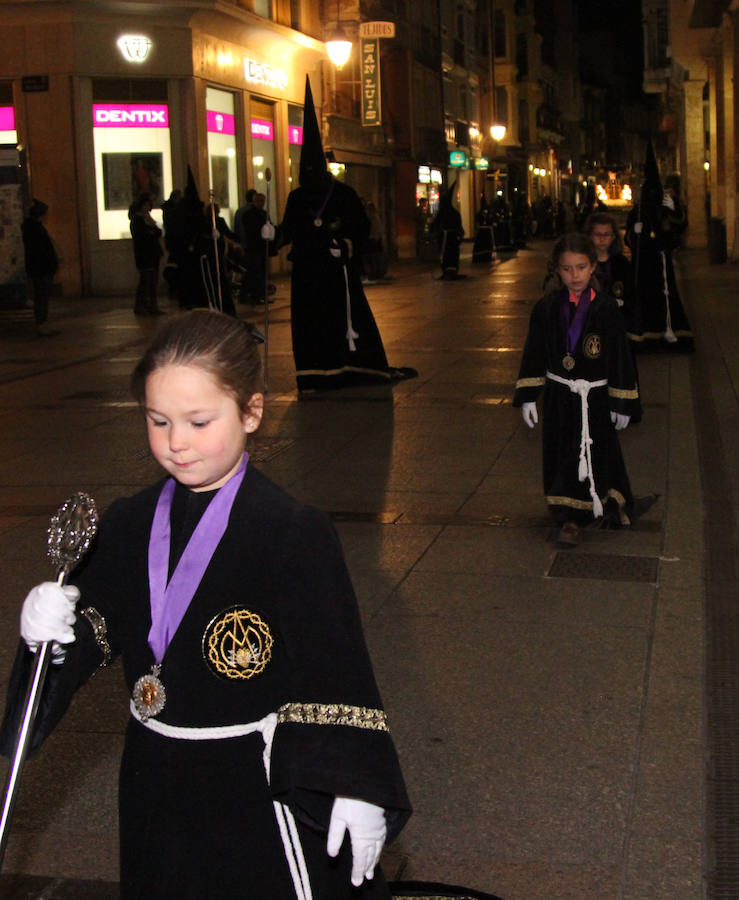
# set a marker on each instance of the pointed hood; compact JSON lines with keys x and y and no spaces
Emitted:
{"x":313,"y":169}
{"x":651,"y":186}
{"x":190,"y":196}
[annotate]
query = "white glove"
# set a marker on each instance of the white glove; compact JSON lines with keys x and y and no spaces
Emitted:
{"x":335,"y":252}
{"x":529,"y":413}
{"x":620,"y":420}
{"x":48,"y":615}
{"x":215,"y":234}
{"x":365,"y":823}
{"x":268,"y":231}
{"x":668,"y":202}
{"x":638,"y":227}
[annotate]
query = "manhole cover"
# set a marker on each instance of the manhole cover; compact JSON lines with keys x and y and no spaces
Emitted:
{"x":604,"y":567}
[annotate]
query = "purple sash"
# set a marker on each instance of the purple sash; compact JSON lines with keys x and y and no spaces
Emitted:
{"x":169,"y":602}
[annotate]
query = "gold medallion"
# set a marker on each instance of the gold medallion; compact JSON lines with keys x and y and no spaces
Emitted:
{"x":569,"y":362}
{"x":237,"y":644}
{"x":617,"y":289}
{"x":318,"y":221}
{"x":149,"y":695}
{"x":591,"y":346}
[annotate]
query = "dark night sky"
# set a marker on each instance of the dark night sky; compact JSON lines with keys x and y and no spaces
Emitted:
{"x":614,"y":25}
{"x":607,"y":14}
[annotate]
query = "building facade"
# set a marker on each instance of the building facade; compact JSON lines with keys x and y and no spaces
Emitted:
{"x":109,"y":100}
{"x":692,"y":67}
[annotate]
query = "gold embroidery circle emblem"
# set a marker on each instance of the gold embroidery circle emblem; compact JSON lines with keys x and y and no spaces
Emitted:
{"x":237,"y":644}
{"x":617,"y":289}
{"x":591,"y":346}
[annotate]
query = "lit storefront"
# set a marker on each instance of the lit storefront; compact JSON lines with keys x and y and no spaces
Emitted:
{"x":428,"y":185}
{"x":148,"y":97}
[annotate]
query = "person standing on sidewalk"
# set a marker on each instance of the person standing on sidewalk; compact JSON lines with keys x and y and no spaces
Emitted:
{"x":41,"y":264}
{"x":147,"y":252}
{"x":257,"y":747}
{"x":577,"y":351}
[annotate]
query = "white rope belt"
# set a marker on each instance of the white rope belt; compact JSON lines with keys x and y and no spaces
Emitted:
{"x":351,"y":334}
{"x":285,"y":819}
{"x":582,"y":387}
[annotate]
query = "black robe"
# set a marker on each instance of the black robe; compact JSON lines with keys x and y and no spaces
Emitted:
{"x":615,"y":276}
{"x":325,"y":356}
{"x":651,"y":251}
{"x":196,"y":816}
{"x":602,"y":352}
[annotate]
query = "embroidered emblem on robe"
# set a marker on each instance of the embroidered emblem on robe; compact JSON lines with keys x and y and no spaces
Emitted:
{"x":591,"y":346}
{"x":237,"y":644}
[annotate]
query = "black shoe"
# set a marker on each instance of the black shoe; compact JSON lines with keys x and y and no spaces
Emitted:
{"x":401,"y":373}
{"x":642,"y":504}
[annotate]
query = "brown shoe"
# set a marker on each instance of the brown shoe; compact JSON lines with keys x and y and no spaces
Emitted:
{"x":569,"y":535}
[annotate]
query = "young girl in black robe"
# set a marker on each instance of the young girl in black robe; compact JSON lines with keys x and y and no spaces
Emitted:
{"x":577,"y":351}
{"x":615,"y":276}
{"x":257,"y":737}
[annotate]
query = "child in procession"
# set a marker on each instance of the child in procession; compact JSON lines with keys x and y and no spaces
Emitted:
{"x":577,"y":353}
{"x":258,"y":760}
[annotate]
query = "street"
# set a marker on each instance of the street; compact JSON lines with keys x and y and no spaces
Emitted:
{"x":548,"y":705}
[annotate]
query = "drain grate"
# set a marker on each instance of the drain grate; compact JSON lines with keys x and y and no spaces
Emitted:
{"x":605,"y":567}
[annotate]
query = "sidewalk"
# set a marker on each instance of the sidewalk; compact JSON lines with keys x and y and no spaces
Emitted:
{"x":548,"y":706}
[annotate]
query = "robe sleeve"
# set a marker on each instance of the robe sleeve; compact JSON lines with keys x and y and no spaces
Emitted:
{"x":83,"y":657}
{"x":533,"y":370}
{"x":332,"y":736}
{"x":623,"y":393}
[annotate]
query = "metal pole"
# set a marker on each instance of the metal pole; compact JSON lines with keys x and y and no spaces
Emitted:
{"x":214,"y":235}
{"x":22,"y":743}
{"x":268,"y":179}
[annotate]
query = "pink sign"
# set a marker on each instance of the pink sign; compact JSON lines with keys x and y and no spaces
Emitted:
{"x":7,"y":118}
{"x":130,"y":115}
{"x":261,"y":128}
{"x":220,"y":123}
{"x":295,"y":134}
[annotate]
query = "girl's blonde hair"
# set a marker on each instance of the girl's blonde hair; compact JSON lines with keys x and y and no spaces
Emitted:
{"x":223,"y":346}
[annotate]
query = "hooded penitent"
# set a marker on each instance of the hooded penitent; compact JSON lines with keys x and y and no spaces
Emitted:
{"x":313,"y":169}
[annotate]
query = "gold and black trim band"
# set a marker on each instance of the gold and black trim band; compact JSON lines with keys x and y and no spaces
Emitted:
{"x":623,"y":393}
{"x":530,"y":382}
{"x":333,"y":714}
{"x":99,"y":632}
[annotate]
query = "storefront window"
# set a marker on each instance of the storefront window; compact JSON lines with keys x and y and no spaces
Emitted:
{"x":8,"y":133}
{"x":262,"y":130}
{"x":132,"y":156}
{"x":219,"y":106}
{"x":295,"y":140}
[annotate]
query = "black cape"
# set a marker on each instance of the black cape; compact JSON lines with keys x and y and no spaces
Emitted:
{"x":197,"y":817}
{"x":602,"y":352}
{"x":318,"y":217}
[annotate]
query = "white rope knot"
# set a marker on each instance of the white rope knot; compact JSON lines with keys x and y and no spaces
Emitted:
{"x":585,"y":468}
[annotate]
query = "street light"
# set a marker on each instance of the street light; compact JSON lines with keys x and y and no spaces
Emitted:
{"x":497,"y":129}
{"x":338,"y":47}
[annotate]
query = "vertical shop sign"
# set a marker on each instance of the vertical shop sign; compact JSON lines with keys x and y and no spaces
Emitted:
{"x":371,"y":105}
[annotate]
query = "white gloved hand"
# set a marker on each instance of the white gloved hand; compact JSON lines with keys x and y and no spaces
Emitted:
{"x":335,"y":252}
{"x":365,"y":823}
{"x":529,"y":413}
{"x":620,"y":420}
{"x":638,"y":227}
{"x":668,"y":202}
{"x":268,"y":231}
{"x":215,"y":234}
{"x":48,"y":615}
